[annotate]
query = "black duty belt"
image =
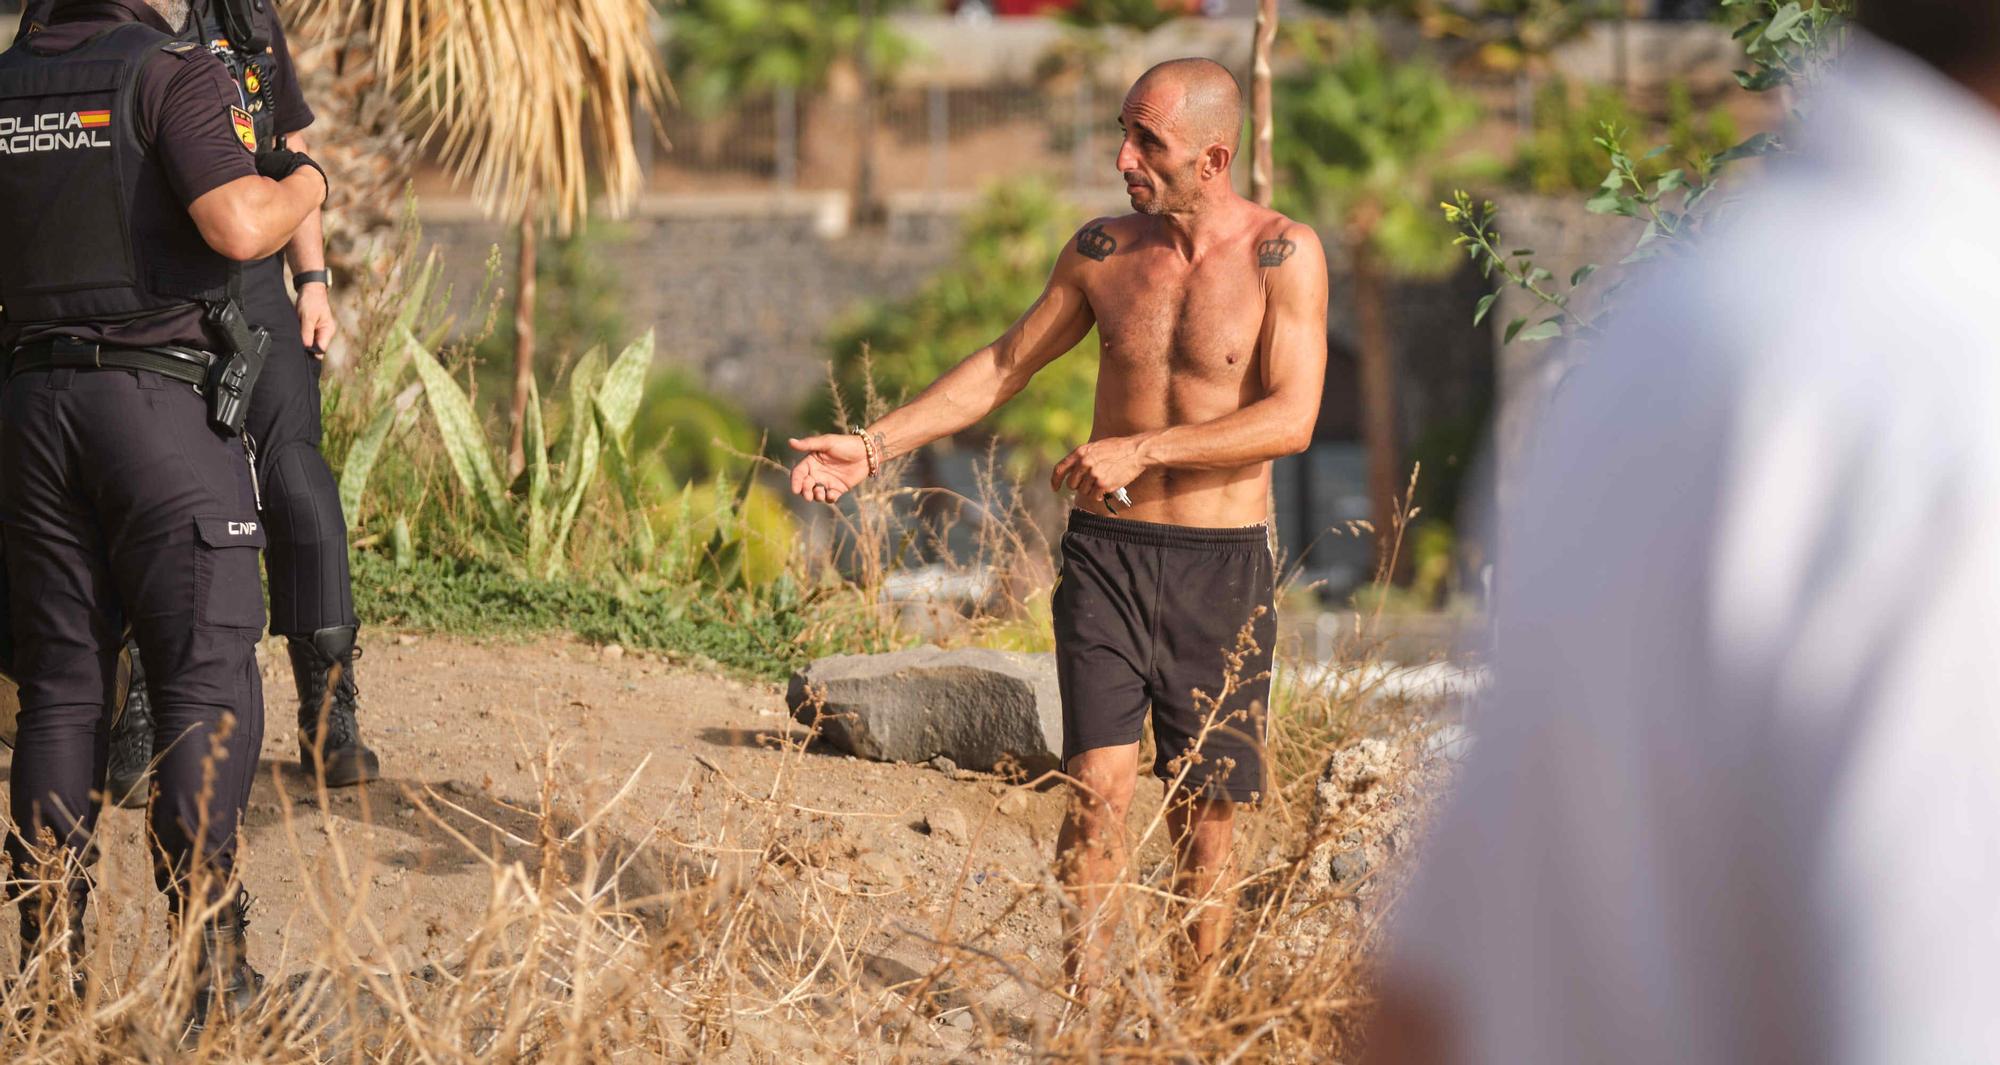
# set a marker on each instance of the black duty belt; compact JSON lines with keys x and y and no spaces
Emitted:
{"x":67,"y":353}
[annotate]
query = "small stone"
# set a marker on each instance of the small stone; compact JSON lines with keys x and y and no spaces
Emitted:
{"x":612,"y":652}
{"x":406,"y":640}
{"x":1349,"y":866}
{"x":1014,"y":802}
{"x":943,"y":765}
{"x":883,"y":870}
{"x":947,"y":824}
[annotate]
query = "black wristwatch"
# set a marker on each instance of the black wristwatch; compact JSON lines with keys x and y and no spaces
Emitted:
{"x":306,"y":277}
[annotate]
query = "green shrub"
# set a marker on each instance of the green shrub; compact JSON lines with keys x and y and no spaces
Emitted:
{"x":1562,"y":154}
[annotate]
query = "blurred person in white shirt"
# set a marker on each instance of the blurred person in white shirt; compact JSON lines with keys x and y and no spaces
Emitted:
{"x":1735,"y":794}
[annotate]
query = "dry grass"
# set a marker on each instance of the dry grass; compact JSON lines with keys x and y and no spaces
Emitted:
{"x":719,"y":927}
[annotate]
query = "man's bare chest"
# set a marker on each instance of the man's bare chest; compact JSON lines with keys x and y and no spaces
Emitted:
{"x":1203,"y":321}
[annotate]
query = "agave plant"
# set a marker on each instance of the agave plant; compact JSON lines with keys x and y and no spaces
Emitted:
{"x":529,"y":522}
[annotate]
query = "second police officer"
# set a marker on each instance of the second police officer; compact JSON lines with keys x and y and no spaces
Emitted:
{"x":306,"y":562}
{"x":128,"y":201}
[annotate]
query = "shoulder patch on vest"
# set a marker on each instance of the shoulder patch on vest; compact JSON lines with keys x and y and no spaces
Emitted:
{"x":246,"y":128}
{"x":183,"y":49}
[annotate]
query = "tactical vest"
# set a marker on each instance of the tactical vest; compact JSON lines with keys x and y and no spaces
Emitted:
{"x":92,"y":232}
{"x":239,"y":33}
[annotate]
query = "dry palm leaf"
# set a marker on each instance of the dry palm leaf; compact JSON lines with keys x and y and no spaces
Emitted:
{"x":528,"y":101}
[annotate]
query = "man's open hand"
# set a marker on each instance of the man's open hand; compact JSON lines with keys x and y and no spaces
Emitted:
{"x":834,"y":463}
{"x":1100,"y":467}
{"x":316,"y":324}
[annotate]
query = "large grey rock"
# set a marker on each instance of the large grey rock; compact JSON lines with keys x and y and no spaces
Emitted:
{"x":981,"y":709}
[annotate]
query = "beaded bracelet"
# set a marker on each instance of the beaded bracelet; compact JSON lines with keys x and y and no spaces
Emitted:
{"x":868,"y":448}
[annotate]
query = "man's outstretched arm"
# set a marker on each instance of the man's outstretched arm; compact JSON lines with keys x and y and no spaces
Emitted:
{"x":968,"y":392}
{"x":1292,"y":353}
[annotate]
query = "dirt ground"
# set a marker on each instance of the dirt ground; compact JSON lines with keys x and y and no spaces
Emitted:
{"x":462,"y":728}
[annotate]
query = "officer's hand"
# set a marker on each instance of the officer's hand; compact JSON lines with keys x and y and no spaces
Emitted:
{"x":316,"y":322}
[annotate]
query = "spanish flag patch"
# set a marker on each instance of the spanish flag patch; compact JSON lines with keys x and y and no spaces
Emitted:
{"x":93,"y":119}
{"x":246,"y":128}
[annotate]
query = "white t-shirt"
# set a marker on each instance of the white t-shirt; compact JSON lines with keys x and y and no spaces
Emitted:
{"x":1735,"y":795}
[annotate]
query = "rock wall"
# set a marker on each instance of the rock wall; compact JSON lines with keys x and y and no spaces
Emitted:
{"x":741,"y":292}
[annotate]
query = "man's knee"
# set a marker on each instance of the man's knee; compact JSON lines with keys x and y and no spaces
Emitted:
{"x":1202,"y":829}
{"x":1103,"y":781}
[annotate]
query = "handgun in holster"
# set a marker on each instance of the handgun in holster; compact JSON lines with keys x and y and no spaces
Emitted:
{"x":233,"y":375}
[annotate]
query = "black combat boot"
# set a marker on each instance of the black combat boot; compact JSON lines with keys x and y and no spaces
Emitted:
{"x":225,"y":984}
{"x":128,"y":777}
{"x":330,"y":744}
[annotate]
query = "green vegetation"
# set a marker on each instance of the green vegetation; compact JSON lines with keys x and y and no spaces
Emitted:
{"x":1788,"y":44}
{"x":765,"y":636}
{"x":646,"y":528}
{"x":1562,"y":154}
{"x":1144,"y":16}
{"x":1010,"y":243}
{"x":722,"y":51}
{"x":578,"y":305}
{"x":1362,"y":143}
{"x":1513,"y":36}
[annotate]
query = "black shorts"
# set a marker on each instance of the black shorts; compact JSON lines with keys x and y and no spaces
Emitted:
{"x":1146,"y":618}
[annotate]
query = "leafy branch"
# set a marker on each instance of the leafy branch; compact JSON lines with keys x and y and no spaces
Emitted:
{"x":1789,"y":46}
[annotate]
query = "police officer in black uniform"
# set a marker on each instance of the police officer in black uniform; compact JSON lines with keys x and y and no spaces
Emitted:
{"x":312,"y":602}
{"x":131,"y":191}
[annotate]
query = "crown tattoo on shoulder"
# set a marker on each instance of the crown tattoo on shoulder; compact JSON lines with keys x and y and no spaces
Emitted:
{"x":1095,"y":243}
{"x":1275,"y":252}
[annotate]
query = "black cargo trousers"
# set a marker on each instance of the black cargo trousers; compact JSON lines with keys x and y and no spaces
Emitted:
{"x":120,"y":504}
{"x":307,"y":557}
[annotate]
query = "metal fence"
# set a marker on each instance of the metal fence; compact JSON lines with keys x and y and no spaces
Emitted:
{"x":928,"y":139}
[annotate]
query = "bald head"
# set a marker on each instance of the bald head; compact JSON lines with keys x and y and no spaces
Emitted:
{"x":1198,"y":97}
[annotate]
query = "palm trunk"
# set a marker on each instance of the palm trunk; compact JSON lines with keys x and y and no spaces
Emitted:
{"x":1377,"y":359}
{"x":524,"y":345}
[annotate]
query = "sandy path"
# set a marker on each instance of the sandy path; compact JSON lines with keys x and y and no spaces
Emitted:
{"x":466,"y":724}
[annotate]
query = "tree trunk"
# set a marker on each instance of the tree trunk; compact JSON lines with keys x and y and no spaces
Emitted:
{"x":524,"y":345}
{"x":1263,"y":36}
{"x":867,"y":210}
{"x":1261,"y":40}
{"x":1377,"y":359}
{"x":361,"y":141}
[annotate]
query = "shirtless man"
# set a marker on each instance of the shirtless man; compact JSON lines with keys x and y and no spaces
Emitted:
{"x":1212,"y":317}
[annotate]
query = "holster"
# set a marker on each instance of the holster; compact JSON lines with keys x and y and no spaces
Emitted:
{"x":238,"y":365}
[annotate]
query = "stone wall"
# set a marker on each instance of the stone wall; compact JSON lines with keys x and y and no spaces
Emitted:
{"x":739,"y":293}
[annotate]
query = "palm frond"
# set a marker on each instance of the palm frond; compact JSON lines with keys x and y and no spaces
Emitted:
{"x":530,"y":103}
